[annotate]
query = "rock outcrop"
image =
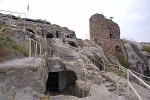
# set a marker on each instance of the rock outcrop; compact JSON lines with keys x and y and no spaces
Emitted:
{"x":20,"y":77}
{"x":138,"y":58}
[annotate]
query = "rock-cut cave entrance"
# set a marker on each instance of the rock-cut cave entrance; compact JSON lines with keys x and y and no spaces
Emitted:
{"x":62,"y":82}
{"x":73,"y":44}
{"x":50,"y":35}
{"x":52,"y":82}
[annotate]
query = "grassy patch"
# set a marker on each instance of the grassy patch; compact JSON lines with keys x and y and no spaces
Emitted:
{"x":118,"y":49}
{"x":114,"y":69}
{"x":8,"y":47}
{"x":1,"y":25}
{"x":146,"y":48}
{"x":124,"y":62}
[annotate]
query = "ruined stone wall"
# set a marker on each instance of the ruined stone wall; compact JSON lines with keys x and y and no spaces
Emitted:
{"x":104,"y":32}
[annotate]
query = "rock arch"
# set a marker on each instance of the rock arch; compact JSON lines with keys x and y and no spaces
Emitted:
{"x":59,"y":78}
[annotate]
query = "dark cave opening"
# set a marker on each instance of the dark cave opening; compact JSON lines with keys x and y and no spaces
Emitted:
{"x":62,"y":82}
{"x":30,"y":30}
{"x":110,"y":35}
{"x":50,"y":35}
{"x":73,"y":44}
{"x":57,"y":34}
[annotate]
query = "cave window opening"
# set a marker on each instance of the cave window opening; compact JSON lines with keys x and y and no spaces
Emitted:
{"x":110,"y":35}
{"x":50,"y":35}
{"x":57,"y":34}
{"x":68,"y":36}
{"x":72,"y":44}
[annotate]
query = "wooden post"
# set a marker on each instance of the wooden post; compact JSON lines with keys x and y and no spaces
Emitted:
{"x":127,"y":82}
{"x":29,"y":47}
{"x":117,"y":87}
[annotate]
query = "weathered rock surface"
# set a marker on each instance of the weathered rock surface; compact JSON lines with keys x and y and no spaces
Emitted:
{"x":138,"y":58}
{"x":18,"y":75}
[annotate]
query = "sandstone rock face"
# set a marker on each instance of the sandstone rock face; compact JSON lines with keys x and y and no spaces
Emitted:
{"x":19,"y":74}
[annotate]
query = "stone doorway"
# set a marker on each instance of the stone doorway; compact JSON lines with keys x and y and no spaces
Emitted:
{"x":52,"y":84}
{"x":62,"y":82}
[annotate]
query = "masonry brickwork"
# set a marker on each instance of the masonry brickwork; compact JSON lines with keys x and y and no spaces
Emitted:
{"x":105,"y":33}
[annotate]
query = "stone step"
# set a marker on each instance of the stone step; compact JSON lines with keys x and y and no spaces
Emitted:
{"x":110,"y":86}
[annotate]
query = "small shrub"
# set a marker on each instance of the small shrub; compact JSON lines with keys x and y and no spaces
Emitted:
{"x":146,"y":48}
{"x":123,"y":61}
{"x":118,"y":49}
{"x":95,"y":39}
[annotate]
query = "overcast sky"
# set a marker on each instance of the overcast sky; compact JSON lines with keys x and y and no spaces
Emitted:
{"x":133,"y":16}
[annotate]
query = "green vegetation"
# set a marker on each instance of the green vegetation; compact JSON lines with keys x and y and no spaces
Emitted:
{"x":118,"y":49}
{"x":146,"y":48}
{"x":112,"y":68}
{"x":8,"y":47}
{"x":95,"y":39}
{"x":1,"y":24}
{"x":123,"y":61}
{"x":115,"y":70}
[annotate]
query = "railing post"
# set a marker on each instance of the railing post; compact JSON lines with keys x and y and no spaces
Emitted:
{"x":50,"y":51}
{"x":35,"y":49}
{"x":40,"y":49}
{"x":29,"y":47}
{"x":127,"y":82}
{"x":117,"y":87}
{"x":46,"y":44}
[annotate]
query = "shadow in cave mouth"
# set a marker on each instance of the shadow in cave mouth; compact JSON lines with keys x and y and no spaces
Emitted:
{"x":62,"y":82}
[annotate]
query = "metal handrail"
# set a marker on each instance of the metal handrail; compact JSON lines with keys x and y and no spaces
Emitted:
{"x":139,"y":79}
{"x":129,"y":72}
{"x":140,"y":74}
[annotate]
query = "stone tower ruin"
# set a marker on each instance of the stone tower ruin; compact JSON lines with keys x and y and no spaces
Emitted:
{"x":105,"y":33}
